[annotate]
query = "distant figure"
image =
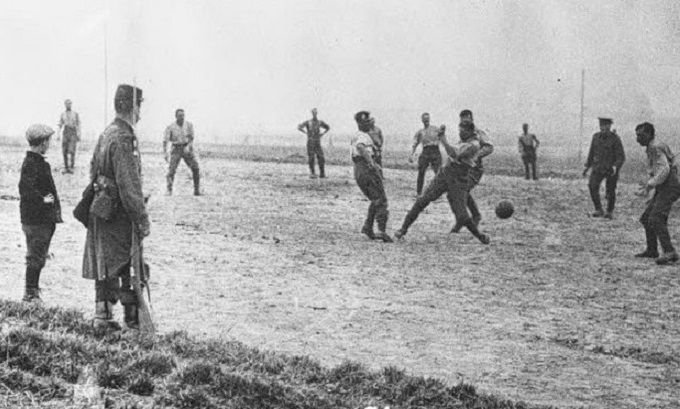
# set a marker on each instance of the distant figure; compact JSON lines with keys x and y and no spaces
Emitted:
{"x":453,"y":179}
{"x":477,"y":171}
{"x":69,"y":127}
{"x":377,"y":137}
{"x":116,"y":166}
{"x":430,"y":156}
{"x":39,"y":206}
{"x":663,"y":172}
{"x":180,"y":135}
{"x":605,"y":157}
{"x":313,"y":129}
{"x":528,"y":145}
{"x":368,"y":176}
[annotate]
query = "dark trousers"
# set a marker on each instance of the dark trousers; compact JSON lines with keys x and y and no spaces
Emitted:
{"x":596,"y":178}
{"x":68,"y":146}
{"x":429,"y":157}
{"x":371,"y":185}
{"x":454,"y":180}
{"x":176,"y":155}
{"x":529,"y":159}
{"x":377,"y":157}
{"x":38,"y":239}
{"x":314,"y":150}
{"x":114,"y":288}
{"x":655,"y":217}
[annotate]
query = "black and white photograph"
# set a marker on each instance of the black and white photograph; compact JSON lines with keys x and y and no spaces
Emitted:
{"x":360,"y":204}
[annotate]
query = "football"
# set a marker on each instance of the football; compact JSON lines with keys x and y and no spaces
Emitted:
{"x":504,"y":209}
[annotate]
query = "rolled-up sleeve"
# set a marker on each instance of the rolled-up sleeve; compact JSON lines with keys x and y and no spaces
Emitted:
{"x":659,"y":166}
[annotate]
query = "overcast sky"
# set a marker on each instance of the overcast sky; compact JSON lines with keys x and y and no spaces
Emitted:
{"x":258,"y":66}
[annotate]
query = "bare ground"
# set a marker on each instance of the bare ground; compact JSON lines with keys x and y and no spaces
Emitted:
{"x":555,"y":311}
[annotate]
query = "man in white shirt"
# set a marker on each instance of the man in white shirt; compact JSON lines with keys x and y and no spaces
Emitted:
{"x":368,"y":175}
{"x":69,"y":128}
{"x":180,"y":135}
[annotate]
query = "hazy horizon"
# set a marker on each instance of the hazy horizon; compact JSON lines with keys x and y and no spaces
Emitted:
{"x":258,"y":67}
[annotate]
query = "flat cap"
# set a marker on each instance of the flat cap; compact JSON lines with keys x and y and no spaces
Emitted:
{"x":362,"y":116}
{"x":605,"y":119}
{"x":37,"y":132}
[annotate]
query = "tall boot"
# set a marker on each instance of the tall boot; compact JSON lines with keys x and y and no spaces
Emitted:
{"x":322,"y":170}
{"x":381,"y":218}
{"x":474,"y":210}
{"x":66,"y":169}
{"x":128,"y":298}
{"x":32,"y":293}
{"x":197,"y":183}
{"x":131,"y":316}
{"x":652,"y":250}
{"x":168,"y":181}
{"x":103,"y":317}
{"x":483,"y":238}
{"x":367,"y":229}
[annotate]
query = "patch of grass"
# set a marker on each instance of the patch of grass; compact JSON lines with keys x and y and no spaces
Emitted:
{"x":46,"y":349}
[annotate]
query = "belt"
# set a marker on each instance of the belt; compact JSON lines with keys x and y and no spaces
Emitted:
{"x":180,"y":144}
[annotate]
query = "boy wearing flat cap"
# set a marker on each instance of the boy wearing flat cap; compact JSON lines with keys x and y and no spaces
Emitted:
{"x":368,"y":175}
{"x":605,"y":157}
{"x":39,"y":206}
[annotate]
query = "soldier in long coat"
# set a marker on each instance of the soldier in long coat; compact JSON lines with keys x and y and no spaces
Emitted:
{"x":116,"y":169}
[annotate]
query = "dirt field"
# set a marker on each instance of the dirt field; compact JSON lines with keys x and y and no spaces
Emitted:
{"x":555,"y":311}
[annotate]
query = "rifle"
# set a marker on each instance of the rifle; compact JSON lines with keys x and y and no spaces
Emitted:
{"x":139,"y":276}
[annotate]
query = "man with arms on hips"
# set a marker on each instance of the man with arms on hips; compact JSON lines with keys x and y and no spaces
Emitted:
{"x":180,"y":136}
{"x":314,"y":129}
{"x":663,"y":179}
{"x":527,"y":145}
{"x":430,"y":156}
{"x":69,"y":128}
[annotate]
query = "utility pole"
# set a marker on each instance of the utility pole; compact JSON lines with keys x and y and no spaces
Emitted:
{"x":580,"y":136}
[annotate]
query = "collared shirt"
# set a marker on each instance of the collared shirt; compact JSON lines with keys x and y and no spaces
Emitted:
{"x":485,"y":147}
{"x":527,"y":143}
{"x":660,"y":159}
{"x":466,"y":153}
{"x":361,"y":138}
{"x":427,"y":137}
{"x":69,"y":118}
{"x":312,"y":128}
{"x":377,"y":137}
{"x":179,"y":135}
{"x":606,"y":150}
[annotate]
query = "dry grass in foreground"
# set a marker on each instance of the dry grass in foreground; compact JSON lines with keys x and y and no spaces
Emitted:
{"x":50,"y":357}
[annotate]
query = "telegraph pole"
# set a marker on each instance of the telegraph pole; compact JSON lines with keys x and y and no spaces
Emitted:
{"x":580,"y":137}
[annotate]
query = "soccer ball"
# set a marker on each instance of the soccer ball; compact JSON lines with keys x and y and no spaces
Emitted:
{"x":504,"y":209}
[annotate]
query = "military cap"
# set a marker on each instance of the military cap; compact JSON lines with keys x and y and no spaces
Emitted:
{"x":125,"y":91}
{"x":37,"y":132}
{"x":605,"y":119}
{"x":362,"y":116}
